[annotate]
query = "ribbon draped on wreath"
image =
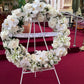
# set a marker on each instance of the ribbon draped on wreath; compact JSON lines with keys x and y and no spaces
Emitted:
{"x":17,"y":53}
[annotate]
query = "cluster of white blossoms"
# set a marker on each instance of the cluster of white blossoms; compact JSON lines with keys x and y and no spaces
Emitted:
{"x":17,"y":53}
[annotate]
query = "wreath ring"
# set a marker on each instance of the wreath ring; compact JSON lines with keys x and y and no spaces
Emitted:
{"x":17,"y":53}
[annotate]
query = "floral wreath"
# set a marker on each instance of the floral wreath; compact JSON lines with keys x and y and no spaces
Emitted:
{"x":17,"y":53}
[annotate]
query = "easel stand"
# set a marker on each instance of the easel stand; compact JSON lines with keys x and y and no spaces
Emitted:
{"x":23,"y":72}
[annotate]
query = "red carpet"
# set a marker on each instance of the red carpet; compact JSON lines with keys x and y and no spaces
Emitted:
{"x":70,"y":69}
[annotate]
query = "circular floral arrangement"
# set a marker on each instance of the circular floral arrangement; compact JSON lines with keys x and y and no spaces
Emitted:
{"x":17,"y":53}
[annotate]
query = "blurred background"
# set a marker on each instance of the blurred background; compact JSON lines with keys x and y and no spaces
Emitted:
{"x":72,"y":6}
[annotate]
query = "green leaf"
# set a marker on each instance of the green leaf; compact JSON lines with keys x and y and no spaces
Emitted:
{"x":20,"y":23}
{"x":21,"y":3}
{"x":8,"y":49}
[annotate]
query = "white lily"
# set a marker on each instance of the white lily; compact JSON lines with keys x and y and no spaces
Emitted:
{"x":41,"y":56}
{"x":13,"y":43}
{"x":4,"y":34}
{"x":60,"y":51}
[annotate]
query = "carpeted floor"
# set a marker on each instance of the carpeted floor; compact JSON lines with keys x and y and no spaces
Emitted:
{"x":70,"y":69}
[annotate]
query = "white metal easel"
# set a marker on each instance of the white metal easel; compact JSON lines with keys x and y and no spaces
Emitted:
{"x":53,"y":68}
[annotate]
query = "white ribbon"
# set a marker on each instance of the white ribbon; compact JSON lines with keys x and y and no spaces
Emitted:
{"x":32,"y":35}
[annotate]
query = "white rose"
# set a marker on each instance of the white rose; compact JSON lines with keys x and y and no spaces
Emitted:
{"x":10,"y":22}
{"x":39,"y":5}
{"x":4,"y":34}
{"x":42,"y":5}
{"x":13,"y":43}
{"x":57,"y":42}
{"x":52,"y":22}
{"x":17,"y":13}
{"x":54,"y":45}
{"x":60,"y":51}
{"x":27,"y":8}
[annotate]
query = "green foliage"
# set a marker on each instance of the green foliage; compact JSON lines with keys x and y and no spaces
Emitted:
{"x":8,"y":49}
{"x":21,"y":22}
{"x":21,"y":3}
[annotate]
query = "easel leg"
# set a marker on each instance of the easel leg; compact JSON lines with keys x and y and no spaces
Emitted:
{"x":21,"y":77}
{"x":35,"y":74}
{"x":56,"y":75}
